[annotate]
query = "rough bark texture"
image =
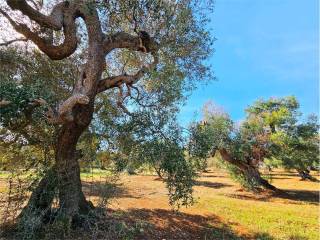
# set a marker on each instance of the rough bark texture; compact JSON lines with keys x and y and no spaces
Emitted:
{"x":38,"y":209}
{"x":249,"y":171}
{"x":70,"y":193}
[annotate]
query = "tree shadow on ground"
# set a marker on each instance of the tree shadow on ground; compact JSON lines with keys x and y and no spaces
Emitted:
{"x":155,"y":224}
{"x":281,"y":178}
{"x":213,"y":176}
{"x":299,"y":195}
{"x":208,"y":184}
{"x":171,"y":225}
{"x":312,"y":197}
{"x":292,"y":175}
{"x":100,"y":189}
{"x":285,"y":174}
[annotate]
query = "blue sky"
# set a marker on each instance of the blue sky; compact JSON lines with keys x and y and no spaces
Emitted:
{"x":265,"y":48}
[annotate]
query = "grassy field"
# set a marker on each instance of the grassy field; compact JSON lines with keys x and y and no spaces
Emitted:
{"x":222,"y":209}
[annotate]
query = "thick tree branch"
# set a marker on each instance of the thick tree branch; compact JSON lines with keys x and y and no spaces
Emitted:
{"x":64,"y":113}
{"x":53,"y":21}
{"x":59,"y":52}
{"x":116,"y":81}
{"x":226,"y":156}
{"x":143,"y":42}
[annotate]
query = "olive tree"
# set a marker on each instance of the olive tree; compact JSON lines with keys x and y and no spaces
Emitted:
{"x":271,"y":133}
{"x":295,"y":142}
{"x":241,"y":149}
{"x":137,"y":53}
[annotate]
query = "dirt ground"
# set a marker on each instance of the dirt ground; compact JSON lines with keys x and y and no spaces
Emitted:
{"x":143,"y":198}
{"x":222,"y":209}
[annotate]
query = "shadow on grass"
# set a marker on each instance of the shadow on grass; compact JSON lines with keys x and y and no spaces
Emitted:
{"x":155,"y":224}
{"x":300,"y":195}
{"x":292,"y":175}
{"x":213,"y":176}
{"x":311,"y":197}
{"x":208,"y":184}
{"x":281,"y":178}
{"x":298,"y":237}
{"x":98,"y":189}
{"x":171,"y":225}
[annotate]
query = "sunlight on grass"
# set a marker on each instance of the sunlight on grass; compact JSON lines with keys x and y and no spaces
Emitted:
{"x":280,"y":220}
{"x":95,"y":173}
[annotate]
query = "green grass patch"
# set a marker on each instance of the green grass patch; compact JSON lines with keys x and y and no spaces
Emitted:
{"x":95,"y":172}
{"x":269,"y":220}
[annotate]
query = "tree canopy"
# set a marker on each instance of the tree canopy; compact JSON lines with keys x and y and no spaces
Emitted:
{"x":271,"y":134}
{"x":114,"y":69}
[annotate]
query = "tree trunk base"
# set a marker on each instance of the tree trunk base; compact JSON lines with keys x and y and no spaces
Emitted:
{"x":253,"y":175}
{"x":39,"y":212}
{"x":252,"y":179}
{"x":264,"y":183}
{"x":159,"y":172}
{"x":305,"y":175}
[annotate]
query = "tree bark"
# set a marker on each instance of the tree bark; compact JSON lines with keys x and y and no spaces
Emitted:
{"x":38,"y":209}
{"x":64,"y":177}
{"x":158,"y":171}
{"x":76,"y":112}
{"x":254,"y":174}
{"x":72,"y":201}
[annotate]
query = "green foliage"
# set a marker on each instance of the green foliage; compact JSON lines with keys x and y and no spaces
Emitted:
{"x":162,"y":148}
{"x":271,"y":134}
{"x":298,"y":147}
{"x":143,"y":137}
{"x":210,"y":135}
{"x":26,"y":137}
{"x":180,"y":176}
{"x":293,"y":142}
{"x":275,"y":112}
{"x":20,"y":98}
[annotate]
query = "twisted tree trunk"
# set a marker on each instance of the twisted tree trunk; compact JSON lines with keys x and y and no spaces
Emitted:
{"x":75,"y":113}
{"x":250,"y":172}
{"x":71,"y":198}
{"x":305,"y":175}
{"x":38,"y":209}
{"x":64,"y":178}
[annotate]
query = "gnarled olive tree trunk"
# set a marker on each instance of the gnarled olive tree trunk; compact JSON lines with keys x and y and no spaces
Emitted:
{"x":305,"y":175}
{"x":250,"y":172}
{"x":75,"y":114}
{"x":71,"y":198}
